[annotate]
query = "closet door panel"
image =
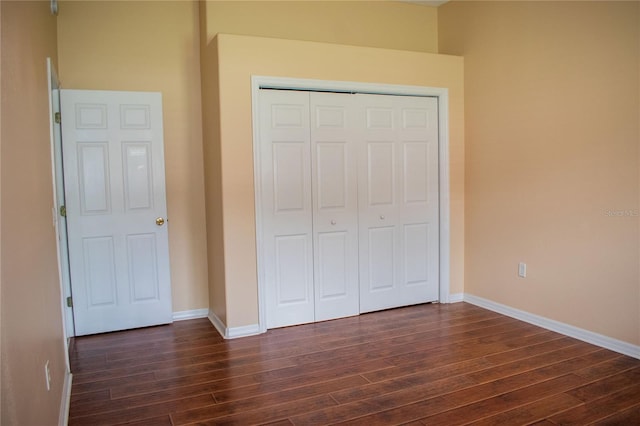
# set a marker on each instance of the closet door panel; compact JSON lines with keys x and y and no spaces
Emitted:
{"x":418,"y":207}
{"x":335,"y":213}
{"x":377,"y":204}
{"x":287,"y":238}
{"x":398,"y":201}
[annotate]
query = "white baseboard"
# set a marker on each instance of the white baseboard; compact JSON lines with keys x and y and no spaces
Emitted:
{"x":247,"y":330}
{"x":65,"y":402}
{"x":218,"y":324}
{"x":232,"y":332}
{"x":557,"y":326}
{"x":456,"y":297}
{"x":192,"y":314}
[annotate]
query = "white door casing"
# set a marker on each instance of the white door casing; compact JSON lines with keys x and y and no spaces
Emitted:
{"x":441,"y":95}
{"x":115,"y":190}
{"x":335,"y":204}
{"x":398,"y":201}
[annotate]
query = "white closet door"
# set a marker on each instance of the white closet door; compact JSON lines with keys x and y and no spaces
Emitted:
{"x":335,"y":205}
{"x":286,"y":207}
{"x":398,"y":201}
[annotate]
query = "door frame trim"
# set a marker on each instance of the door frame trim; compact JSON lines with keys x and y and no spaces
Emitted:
{"x":442,"y":94}
{"x":59,"y":222}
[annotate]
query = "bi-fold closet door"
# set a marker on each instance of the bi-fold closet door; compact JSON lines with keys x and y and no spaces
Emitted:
{"x":349,"y":212}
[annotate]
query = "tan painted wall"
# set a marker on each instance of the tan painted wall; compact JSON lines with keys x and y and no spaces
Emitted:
{"x":151,"y":46}
{"x":239,"y":58}
{"x":31,"y":330}
{"x":386,"y":24}
{"x":212,"y":173}
{"x":3,"y":371}
{"x":552,"y":144}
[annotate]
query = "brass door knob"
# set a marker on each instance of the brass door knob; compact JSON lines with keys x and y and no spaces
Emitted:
{"x":159,"y":221}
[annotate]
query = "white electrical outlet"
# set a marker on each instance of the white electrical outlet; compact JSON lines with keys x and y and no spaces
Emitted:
{"x":47,"y":374}
{"x":522,"y":270}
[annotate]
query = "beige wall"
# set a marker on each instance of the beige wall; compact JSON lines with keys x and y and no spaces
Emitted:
{"x":151,"y":46}
{"x":552,"y":138}
{"x":31,"y":330}
{"x":386,"y":24}
{"x":212,"y":173}
{"x":240,"y":57}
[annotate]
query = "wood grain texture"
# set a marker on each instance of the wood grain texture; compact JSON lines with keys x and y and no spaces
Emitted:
{"x":426,"y":364}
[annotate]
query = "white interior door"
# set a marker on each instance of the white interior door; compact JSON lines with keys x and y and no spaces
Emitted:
{"x":116,"y":209}
{"x":335,"y":204}
{"x":287,"y":237}
{"x":398,"y":201}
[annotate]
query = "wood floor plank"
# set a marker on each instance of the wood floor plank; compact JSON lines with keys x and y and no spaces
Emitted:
{"x":153,"y":421}
{"x":89,"y":397}
{"x":609,"y":368}
{"x":272,"y":384}
{"x":605,"y":386}
{"x":600,"y":408}
{"x":134,"y":379}
{"x":531,"y":363}
{"x":443,"y":353}
{"x":248,"y":365}
{"x":529,"y":397}
{"x":141,"y":413}
{"x":442,"y":364}
{"x":216,"y":379}
{"x":409,"y":405}
{"x":430,"y":407}
{"x":285,"y":422}
{"x":425,"y":381}
{"x":264,"y":399}
{"x":630,"y":416}
{"x":267,"y":414}
{"x":85,"y":408}
{"x":526,"y":414}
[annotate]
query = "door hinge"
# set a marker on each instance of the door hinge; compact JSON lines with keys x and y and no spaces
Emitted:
{"x":57,"y":118}
{"x":69,"y":302}
{"x":63,"y":211}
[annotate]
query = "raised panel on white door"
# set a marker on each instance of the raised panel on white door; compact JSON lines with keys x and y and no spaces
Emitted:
{"x":142,"y":258}
{"x":420,"y":279}
{"x":136,"y":158}
{"x":289,"y":115}
{"x":333,"y":274}
{"x":292,"y":269}
{"x":135,"y":117}
{"x":413,"y":118}
{"x":379,"y":118}
{"x":93,"y":173}
{"x":90,"y":116}
{"x":285,"y":207}
{"x":331,"y":176}
{"x":381,"y":258}
{"x":416,"y":256}
{"x":335,"y":213}
{"x":381,"y":173}
{"x":99,"y":271}
{"x":416,"y":156}
{"x":288,"y":175}
{"x":330,"y":117}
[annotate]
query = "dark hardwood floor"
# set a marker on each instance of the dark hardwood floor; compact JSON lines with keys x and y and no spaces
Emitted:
{"x":429,"y":364}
